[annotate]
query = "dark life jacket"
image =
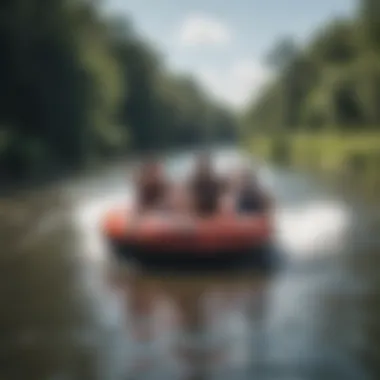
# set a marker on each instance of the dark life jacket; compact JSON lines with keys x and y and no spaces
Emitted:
{"x":151,"y":193}
{"x":206,"y":193}
{"x":250,"y":200}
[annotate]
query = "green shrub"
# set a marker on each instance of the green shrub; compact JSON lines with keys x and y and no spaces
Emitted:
{"x":280,"y":151}
{"x":355,"y":154}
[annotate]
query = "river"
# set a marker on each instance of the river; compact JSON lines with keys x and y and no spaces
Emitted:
{"x":63,"y":317}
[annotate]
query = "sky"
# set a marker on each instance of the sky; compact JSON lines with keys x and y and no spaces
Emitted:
{"x":223,"y":43}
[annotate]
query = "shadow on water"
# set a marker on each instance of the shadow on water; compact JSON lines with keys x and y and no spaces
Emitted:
{"x":68,"y":312}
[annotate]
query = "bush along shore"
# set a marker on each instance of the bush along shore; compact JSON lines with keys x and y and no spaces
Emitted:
{"x":349,"y":160}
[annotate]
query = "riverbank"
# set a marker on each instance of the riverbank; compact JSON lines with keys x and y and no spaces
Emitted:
{"x":30,"y":184}
{"x":348,"y":160}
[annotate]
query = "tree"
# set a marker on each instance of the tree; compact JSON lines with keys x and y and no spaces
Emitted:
{"x":78,"y":85}
{"x":283,"y":53}
{"x":334,"y":81}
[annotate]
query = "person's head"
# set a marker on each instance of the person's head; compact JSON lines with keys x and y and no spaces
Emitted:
{"x":152,"y":168}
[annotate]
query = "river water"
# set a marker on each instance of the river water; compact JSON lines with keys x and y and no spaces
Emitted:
{"x":68,"y":312}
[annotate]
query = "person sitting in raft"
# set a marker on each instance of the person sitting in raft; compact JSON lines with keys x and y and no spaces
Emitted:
{"x":206,"y":188}
{"x":151,"y":187}
{"x":251,"y":197}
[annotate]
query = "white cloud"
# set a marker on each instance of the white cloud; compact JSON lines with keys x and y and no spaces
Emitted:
{"x":198,"y":30}
{"x":238,"y":84}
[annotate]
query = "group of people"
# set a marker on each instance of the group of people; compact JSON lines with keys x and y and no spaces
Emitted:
{"x":204,"y":194}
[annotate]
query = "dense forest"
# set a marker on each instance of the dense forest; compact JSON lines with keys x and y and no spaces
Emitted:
{"x":332,"y":83}
{"x":78,"y":86}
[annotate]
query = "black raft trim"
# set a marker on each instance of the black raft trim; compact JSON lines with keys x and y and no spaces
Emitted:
{"x":262,"y":258}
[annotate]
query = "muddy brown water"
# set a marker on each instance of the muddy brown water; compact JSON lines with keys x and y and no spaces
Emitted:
{"x":69,"y":312}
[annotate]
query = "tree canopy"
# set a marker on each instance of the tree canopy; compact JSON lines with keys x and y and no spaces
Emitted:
{"x":333,"y":82}
{"x":77,"y":86}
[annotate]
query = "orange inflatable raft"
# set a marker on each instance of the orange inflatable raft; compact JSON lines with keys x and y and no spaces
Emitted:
{"x":160,"y":239}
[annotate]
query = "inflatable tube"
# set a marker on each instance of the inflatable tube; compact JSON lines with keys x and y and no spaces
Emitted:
{"x":159,"y":238}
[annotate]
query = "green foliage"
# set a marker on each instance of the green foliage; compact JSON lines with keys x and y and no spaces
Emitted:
{"x":335,"y":80}
{"x":341,"y":155}
{"x":322,"y":111}
{"x":283,"y":54}
{"x":76,"y":86}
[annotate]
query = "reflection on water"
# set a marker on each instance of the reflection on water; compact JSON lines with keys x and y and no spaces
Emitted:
{"x":72,"y":314}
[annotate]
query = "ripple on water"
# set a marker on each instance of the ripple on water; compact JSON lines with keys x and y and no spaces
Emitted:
{"x":315,"y":228}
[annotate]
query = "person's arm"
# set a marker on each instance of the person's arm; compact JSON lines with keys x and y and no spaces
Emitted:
{"x":168,"y":192}
{"x":137,"y":186}
{"x":228,"y":204}
{"x":226,"y":196}
{"x":183,"y":199}
{"x":225,"y":185}
{"x":268,"y":203}
{"x":190,"y":190}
